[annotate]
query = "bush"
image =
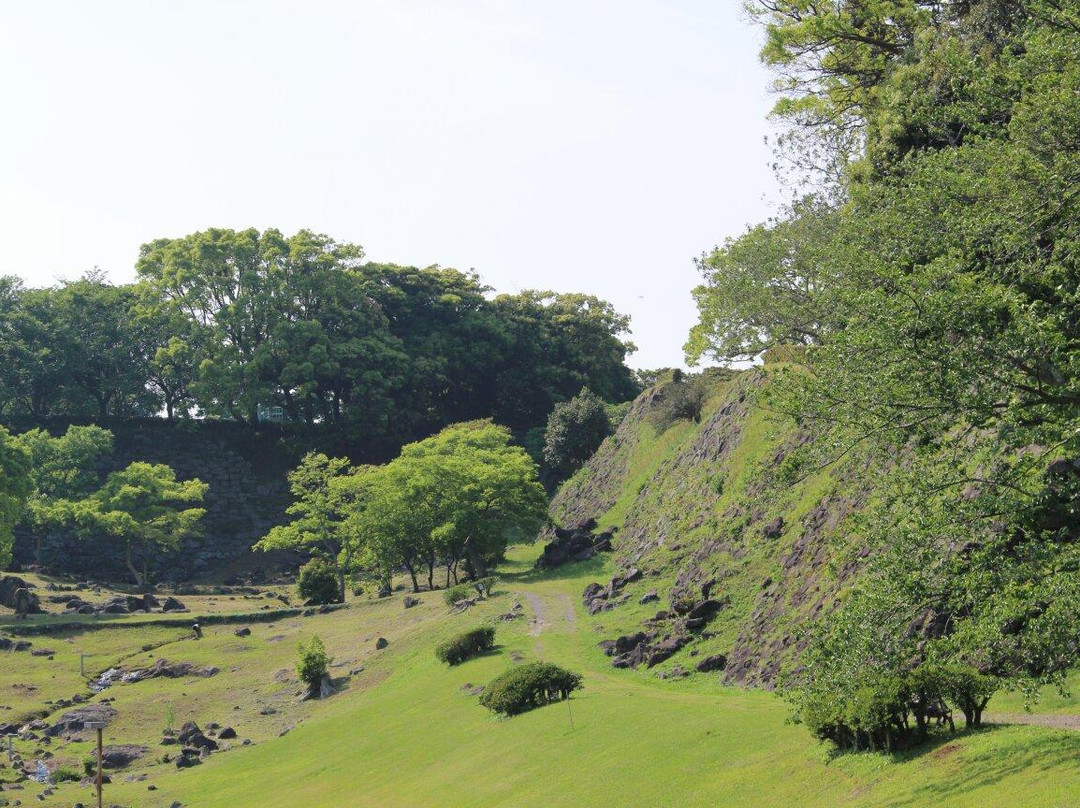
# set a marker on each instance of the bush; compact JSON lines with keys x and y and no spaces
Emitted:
{"x":66,"y":774}
{"x":485,"y":585}
{"x":575,"y":429}
{"x":318,"y":582}
{"x":681,"y":399}
{"x":465,"y":646}
{"x":457,"y":592}
{"x":313,"y":662}
{"x":529,"y":686}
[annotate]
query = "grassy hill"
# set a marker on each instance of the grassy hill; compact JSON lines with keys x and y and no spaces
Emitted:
{"x":731,"y":501}
{"x":404,"y":730}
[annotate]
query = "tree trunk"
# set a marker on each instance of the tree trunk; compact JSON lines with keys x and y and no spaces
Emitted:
{"x":341,"y":586}
{"x":412,"y":574}
{"x":131,"y":567}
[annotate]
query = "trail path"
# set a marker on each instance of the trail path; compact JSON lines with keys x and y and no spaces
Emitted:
{"x":542,"y":611}
{"x":1046,"y":720}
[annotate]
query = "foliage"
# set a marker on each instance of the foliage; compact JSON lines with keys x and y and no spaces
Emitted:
{"x":680,"y":399}
{"x":64,"y":470}
{"x":574,"y":431}
{"x":325,"y":494}
{"x":318,"y":582}
{"x":461,"y":495}
{"x":68,"y":774}
{"x":15,"y":486}
{"x":313,"y":661}
{"x":143,"y":506}
{"x":457,"y":592}
{"x":528,"y":686}
{"x":465,"y":646}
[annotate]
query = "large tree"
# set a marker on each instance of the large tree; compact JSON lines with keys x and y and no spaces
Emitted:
{"x":15,"y":487}
{"x":145,"y":507}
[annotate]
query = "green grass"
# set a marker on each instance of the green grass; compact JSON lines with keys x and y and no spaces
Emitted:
{"x":402,"y":732}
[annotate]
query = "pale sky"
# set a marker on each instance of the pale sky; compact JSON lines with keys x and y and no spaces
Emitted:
{"x":592,"y":146}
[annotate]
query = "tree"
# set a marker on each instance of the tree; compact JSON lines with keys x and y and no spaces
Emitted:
{"x":15,"y":486}
{"x":142,"y":506}
{"x":462,"y":494}
{"x":65,"y":469}
{"x":323,"y":501}
{"x":575,"y":429}
{"x":312,"y":664}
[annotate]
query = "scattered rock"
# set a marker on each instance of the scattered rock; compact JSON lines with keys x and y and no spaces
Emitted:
{"x":649,"y":597}
{"x":75,"y":720}
{"x":171,"y":604}
{"x":193,"y":737}
{"x":243,"y":632}
{"x":227,"y":733}
{"x":716,"y":662}
{"x":410,"y":601}
{"x":774,"y":529}
{"x":575,"y":544}
{"x":15,"y":594}
{"x":119,"y":756}
{"x":381,"y":643}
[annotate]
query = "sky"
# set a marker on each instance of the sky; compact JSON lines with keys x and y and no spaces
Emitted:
{"x":593,"y":146}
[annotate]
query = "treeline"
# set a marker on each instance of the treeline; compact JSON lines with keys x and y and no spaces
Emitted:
{"x":930,"y":283}
{"x":251,"y":326}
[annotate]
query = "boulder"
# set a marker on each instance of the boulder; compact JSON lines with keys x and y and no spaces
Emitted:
{"x":227,"y":734}
{"x":75,"y":720}
{"x":119,"y":756}
{"x":716,"y":662}
{"x":410,"y":601}
{"x":665,"y":649}
{"x":10,"y":586}
{"x":381,"y":643}
{"x":192,"y":737}
{"x":171,"y":604}
{"x":649,"y":597}
{"x":243,"y":632}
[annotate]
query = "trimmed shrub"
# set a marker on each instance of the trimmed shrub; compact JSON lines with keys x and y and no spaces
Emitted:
{"x":485,"y":585}
{"x":318,"y":582}
{"x":465,"y":646}
{"x":313,"y":662}
{"x":457,"y":592}
{"x":529,"y":686}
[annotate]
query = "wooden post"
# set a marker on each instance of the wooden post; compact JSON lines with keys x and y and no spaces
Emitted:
{"x":99,"y":726}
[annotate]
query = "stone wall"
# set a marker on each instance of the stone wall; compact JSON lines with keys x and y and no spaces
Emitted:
{"x":246,"y":471}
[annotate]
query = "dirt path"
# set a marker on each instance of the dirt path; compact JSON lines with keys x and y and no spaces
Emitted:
{"x":1054,"y":721}
{"x":536,"y":625}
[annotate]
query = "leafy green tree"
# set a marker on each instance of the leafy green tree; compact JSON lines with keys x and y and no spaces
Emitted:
{"x":575,"y":429}
{"x":15,"y":486}
{"x":64,"y":469}
{"x":313,"y":663}
{"x":318,"y":582}
{"x":461,"y":495}
{"x":143,"y":506}
{"x":325,"y":496}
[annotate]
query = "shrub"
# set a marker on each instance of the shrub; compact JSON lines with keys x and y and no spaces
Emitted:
{"x":313,"y":662}
{"x":529,"y":686}
{"x":575,"y":429}
{"x":681,"y":399}
{"x":485,"y":585}
{"x":465,"y":646}
{"x":318,"y":582}
{"x":457,"y":592}
{"x":67,"y":774}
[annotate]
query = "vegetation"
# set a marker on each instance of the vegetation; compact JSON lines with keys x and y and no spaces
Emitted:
{"x":317,"y":583}
{"x":15,"y":487}
{"x":142,"y":506}
{"x":529,"y":686}
{"x":465,"y":646}
{"x":933,"y":285}
{"x":313,"y":662}
{"x":574,"y":431}
{"x":249,"y":326}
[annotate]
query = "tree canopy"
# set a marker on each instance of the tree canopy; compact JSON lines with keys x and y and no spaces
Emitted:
{"x":934,"y":285}
{"x":15,"y":486}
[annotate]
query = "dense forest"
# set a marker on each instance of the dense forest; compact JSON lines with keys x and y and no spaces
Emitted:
{"x":249,"y":326}
{"x":925,"y":294}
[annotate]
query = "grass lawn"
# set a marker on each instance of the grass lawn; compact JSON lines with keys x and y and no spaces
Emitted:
{"x":403,"y":732}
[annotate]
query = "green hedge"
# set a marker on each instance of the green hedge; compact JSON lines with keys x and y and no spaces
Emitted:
{"x":529,"y":686}
{"x":465,"y":646}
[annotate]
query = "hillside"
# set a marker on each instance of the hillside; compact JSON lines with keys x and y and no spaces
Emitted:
{"x":724,"y":506}
{"x":403,"y":729}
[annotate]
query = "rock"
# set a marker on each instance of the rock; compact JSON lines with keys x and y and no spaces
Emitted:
{"x":410,"y":601}
{"x":774,"y":529}
{"x":227,"y":734}
{"x":649,"y":597}
{"x":384,"y":591}
{"x":243,"y":632}
{"x":665,"y":649}
{"x":75,"y":720}
{"x":25,"y":603}
{"x":193,"y":737}
{"x":186,"y":761}
{"x":171,"y":604}
{"x":707,"y":609}
{"x":119,"y":756}
{"x":577,"y":543}
{"x":716,"y":662}
{"x":381,"y":643}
